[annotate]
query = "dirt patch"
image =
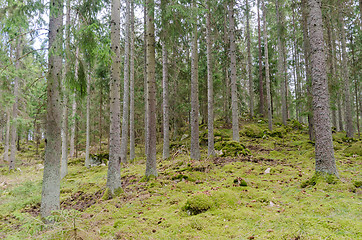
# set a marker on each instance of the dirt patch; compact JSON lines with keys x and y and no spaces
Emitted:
{"x":80,"y":200}
{"x":221,"y":161}
{"x":33,"y":210}
{"x":258,"y":148}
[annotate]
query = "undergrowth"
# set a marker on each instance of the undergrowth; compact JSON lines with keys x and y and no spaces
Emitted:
{"x":270,"y":192}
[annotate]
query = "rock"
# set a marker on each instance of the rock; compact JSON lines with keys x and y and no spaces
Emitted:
{"x":267,"y":170}
{"x":271,"y":204}
{"x":39,"y":167}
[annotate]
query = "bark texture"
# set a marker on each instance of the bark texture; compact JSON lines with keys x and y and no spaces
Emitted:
{"x":114,"y":164}
{"x":131,"y":88}
{"x":267,"y":77}
{"x":50,"y":198}
{"x":7,"y":136}
{"x":87,"y":146}
{"x":345,"y":75}
{"x":234,"y":93}
{"x":248,"y":42}
{"x":261,"y":88}
{"x":151,"y":163}
{"x":210,"y":88}
{"x":324,"y":152}
{"x":125,"y":123}
{"x":74,"y":111}
{"x":195,"y":148}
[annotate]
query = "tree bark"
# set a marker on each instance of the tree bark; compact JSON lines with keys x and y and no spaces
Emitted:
{"x":297,"y":73}
{"x":195,"y":148}
{"x":114,"y":167}
{"x":261,"y":87}
{"x":145,"y":74}
{"x":13,"y":131}
{"x":50,"y":198}
{"x":125,"y":123}
{"x":234,"y":96}
{"x":210,"y":88}
{"x":267,"y":77}
{"x":324,"y":152}
{"x":307,"y":52}
{"x":64,"y":130}
{"x":74,"y":111}
{"x":87,"y":160}
{"x":281,"y":64}
{"x":250,"y":66}
{"x":345,"y":75}
{"x":151,"y":163}
{"x":132,"y":108}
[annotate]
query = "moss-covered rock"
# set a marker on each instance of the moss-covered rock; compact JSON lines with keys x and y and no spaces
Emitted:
{"x":357,"y":184}
{"x":294,"y":124}
{"x":198,"y":203}
{"x":354,"y":149}
{"x":232,"y":148}
{"x":219,"y":135}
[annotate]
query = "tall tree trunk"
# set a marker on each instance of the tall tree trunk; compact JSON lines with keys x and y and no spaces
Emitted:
{"x":356,"y":84}
{"x":50,"y":198}
{"x":145,"y":74}
{"x":132,"y":109}
{"x":332,"y":60}
{"x":64,"y":130}
{"x":267,"y":77}
{"x":307,"y":52}
{"x":7,"y":136}
{"x":324,"y":152}
{"x":261,"y":87}
{"x":345,"y":74}
{"x":195,"y":148}
{"x":87,"y":160}
{"x":74,"y":111}
{"x":234,"y":94}
{"x":281,"y":64}
{"x":114,"y":164}
{"x":125,"y":123}
{"x":13,"y":132}
{"x":297,"y":72}
{"x":151,"y":163}
{"x":210,"y":88}
{"x":100,"y":118}
{"x":226,"y":88}
{"x":250,"y":66}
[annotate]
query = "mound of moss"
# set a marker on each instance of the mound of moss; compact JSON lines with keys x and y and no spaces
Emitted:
{"x":198,"y":203}
{"x":354,"y":149}
{"x":219,"y":135}
{"x":294,"y":124}
{"x":319,"y":177}
{"x":279,"y":132}
{"x":253,"y":131}
{"x":231,"y":148}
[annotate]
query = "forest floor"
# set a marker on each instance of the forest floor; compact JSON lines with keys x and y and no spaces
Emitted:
{"x":197,"y":199}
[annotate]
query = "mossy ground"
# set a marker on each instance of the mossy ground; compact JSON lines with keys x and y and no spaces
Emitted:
{"x":272,"y":205}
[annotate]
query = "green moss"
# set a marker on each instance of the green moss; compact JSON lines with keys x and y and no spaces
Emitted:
{"x":354,"y":149}
{"x":279,"y":132}
{"x":232,"y":148}
{"x":253,"y":131}
{"x":179,"y":177}
{"x":240,"y":182}
{"x":318,"y":177}
{"x":198,"y":203}
{"x":108,"y":194}
{"x":357,"y":184}
{"x":294,"y":124}
{"x":148,"y":178}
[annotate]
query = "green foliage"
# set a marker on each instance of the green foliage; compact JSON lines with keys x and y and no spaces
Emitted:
{"x":232,"y":148}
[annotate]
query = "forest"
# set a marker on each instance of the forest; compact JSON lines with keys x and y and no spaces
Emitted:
{"x":180,"y":119}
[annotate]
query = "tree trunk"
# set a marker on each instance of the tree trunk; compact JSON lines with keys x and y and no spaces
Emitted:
{"x":64,"y":130}
{"x":74,"y":111}
{"x":195,"y":148}
{"x":267,"y":77}
{"x":100,"y":118}
{"x":324,"y":152}
{"x":132,"y":109}
{"x":306,"y":46}
{"x":151,"y":163}
{"x":345,"y":75}
{"x":250,"y":66}
{"x":50,"y":198}
{"x":125,"y":123}
{"x":114,"y":167}
{"x":261,"y":87}
{"x":234,"y":96}
{"x":297,"y":73}
{"x":210,"y":88}
{"x":13,"y":132}
{"x":145,"y":75}
{"x":7,"y":136}
{"x":281,"y":64}
{"x":87,"y":160}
